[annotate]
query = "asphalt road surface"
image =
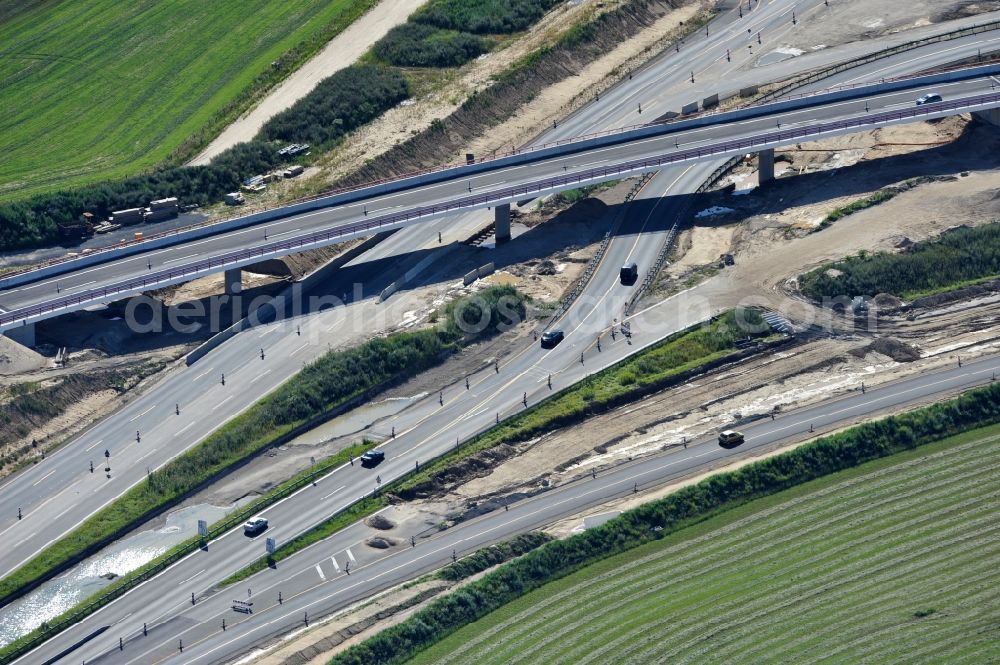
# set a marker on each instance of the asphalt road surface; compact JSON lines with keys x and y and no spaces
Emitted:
{"x":341,"y":570}
{"x":59,"y":492}
{"x":186,"y":256}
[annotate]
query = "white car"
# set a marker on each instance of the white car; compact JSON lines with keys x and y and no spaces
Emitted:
{"x":254,"y":526}
{"x":929,"y":98}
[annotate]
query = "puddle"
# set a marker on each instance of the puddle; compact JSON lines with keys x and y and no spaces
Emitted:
{"x":354,"y":421}
{"x":59,"y":595}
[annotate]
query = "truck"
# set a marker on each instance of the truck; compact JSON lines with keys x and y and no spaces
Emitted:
{"x":127,"y":217}
{"x":294,"y":170}
{"x":234,"y":199}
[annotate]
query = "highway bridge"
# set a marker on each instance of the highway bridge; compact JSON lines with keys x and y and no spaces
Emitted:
{"x":638,"y":239}
{"x":495,"y":184}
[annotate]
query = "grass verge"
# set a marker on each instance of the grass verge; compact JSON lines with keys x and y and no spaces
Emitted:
{"x":806,"y":560}
{"x":626,"y":381}
{"x":332,"y":383}
{"x":106,"y":595}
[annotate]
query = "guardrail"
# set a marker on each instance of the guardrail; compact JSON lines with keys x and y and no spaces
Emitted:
{"x":584,"y":279}
{"x":498,"y":197}
{"x":521,"y":152}
{"x":661,"y":257}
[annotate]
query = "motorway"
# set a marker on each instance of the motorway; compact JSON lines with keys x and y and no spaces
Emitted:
{"x":425,"y":430}
{"x":461,"y":191}
{"x":60,"y":491}
{"x":317,"y":580}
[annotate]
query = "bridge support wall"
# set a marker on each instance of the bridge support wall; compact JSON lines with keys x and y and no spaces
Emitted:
{"x":765,"y":166}
{"x":233,"y":281}
{"x":24,"y":335}
{"x":502,"y":218}
{"x":991,"y":116}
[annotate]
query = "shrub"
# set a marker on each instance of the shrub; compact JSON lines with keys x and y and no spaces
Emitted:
{"x":483,"y":16}
{"x":958,"y":256}
{"x":339,"y":104}
{"x":421,"y":45}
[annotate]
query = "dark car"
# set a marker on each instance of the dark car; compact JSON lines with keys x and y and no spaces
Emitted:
{"x":629,"y":274}
{"x":929,"y":98}
{"x":372,"y":458}
{"x":551,"y":338}
{"x":730,"y":438}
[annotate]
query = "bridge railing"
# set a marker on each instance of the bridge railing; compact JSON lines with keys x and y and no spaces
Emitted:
{"x":242,"y":257}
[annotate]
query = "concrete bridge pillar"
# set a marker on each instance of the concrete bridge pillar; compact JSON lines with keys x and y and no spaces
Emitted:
{"x":992,"y":116}
{"x":502,"y":219}
{"x":233,"y":281}
{"x":765,"y":166}
{"x":25,"y":335}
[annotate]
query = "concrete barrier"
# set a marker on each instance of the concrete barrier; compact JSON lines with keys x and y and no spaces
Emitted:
{"x":388,"y":291}
{"x":710,"y":101}
{"x":749,"y":91}
{"x":485,"y":270}
{"x":470,"y":277}
{"x":688,"y":109}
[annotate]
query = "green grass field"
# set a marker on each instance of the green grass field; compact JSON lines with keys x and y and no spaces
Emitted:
{"x":106,"y":88}
{"x":895,"y":561}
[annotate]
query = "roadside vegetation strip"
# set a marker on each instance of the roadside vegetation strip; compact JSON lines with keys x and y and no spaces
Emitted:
{"x":600,"y":30}
{"x":120,"y":586}
{"x":827,"y":571}
{"x":971,"y":487}
{"x":955,"y":258}
{"x":172,"y":72}
{"x":333,"y":380}
{"x":626,"y":381}
{"x":341,"y":103}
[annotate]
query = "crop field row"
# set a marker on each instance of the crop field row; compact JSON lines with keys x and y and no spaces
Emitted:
{"x":106,"y":88}
{"x":898,"y":564}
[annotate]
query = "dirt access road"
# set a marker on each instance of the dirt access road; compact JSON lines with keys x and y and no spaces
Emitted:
{"x":339,"y":53}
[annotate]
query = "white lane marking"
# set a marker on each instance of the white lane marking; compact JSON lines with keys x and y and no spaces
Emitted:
{"x":336,"y":566}
{"x":203,"y":373}
{"x":268,"y":331}
{"x":94,"y":445}
{"x":182,"y":258}
{"x":134,"y":418}
{"x":259,"y":377}
{"x":151,"y":451}
{"x":221,"y":403}
{"x":298,"y":349}
{"x":192,"y":577}
{"x":283,"y":233}
{"x":350,"y":555}
{"x":43,"y":477}
{"x":183,"y":429}
{"x":320,"y":571}
{"x":333,"y":492}
{"x":79,"y":286}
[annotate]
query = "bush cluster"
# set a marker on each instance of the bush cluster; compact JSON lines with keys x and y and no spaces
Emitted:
{"x":958,"y":256}
{"x":331,"y":380}
{"x":339,"y":104}
{"x":419,"y":45}
{"x":656,"y":519}
{"x":488,"y":557}
{"x":484,"y":17}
